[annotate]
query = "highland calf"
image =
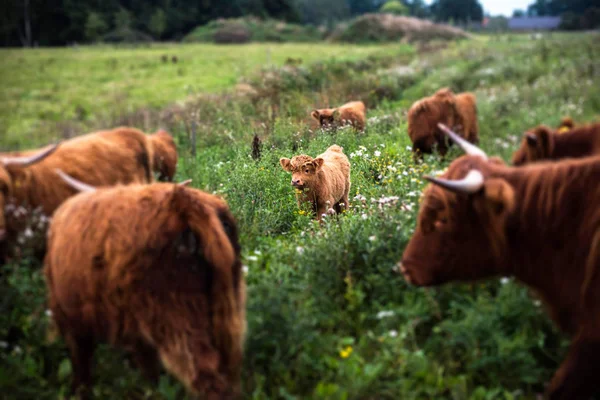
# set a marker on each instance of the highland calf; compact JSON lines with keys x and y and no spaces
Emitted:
{"x":543,"y":143}
{"x":153,"y":269}
{"x":324,"y":182}
{"x":352,"y":113}
{"x":483,"y":219}
{"x":458,"y":111}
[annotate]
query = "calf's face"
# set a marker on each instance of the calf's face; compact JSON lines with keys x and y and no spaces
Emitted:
{"x":325,"y":117}
{"x":304,"y":170}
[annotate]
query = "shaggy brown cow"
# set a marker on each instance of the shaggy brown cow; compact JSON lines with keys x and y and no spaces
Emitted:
{"x":352,"y":113}
{"x":539,"y":223}
{"x":324,"y":182}
{"x":543,"y":143}
{"x":102,"y":158}
{"x":153,"y":269}
{"x":164,"y":155}
{"x":444,"y":107}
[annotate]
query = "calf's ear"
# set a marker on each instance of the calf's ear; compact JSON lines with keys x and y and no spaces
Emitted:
{"x":318,"y":162}
{"x":499,"y":196}
{"x":285,"y":164}
{"x":315,"y":114}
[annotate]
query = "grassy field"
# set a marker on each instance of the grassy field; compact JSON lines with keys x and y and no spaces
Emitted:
{"x":47,"y":86}
{"x":328,"y":317}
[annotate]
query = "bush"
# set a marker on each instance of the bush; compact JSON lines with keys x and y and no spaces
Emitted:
{"x":394,"y":7}
{"x":374,"y":28}
{"x":243,"y":30}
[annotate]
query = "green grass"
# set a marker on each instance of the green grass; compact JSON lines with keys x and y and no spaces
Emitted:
{"x":328,"y":318}
{"x":45,"y":86}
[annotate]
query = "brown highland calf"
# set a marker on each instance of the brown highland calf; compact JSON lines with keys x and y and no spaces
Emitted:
{"x":445,"y":107}
{"x":153,"y":269}
{"x":540,"y":224}
{"x":543,"y":143}
{"x":352,"y":113}
{"x":324,"y":182}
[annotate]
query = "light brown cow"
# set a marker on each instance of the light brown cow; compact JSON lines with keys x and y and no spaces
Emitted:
{"x":324,"y":181}
{"x":352,"y":113}
{"x":540,"y":224}
{"x":153,"y":269}
{"x":459,"y":111}
{"x":544,"y":143}
{"x":102,"y":159}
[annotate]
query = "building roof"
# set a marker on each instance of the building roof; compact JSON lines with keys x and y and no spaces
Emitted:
{"x":531,"y":23}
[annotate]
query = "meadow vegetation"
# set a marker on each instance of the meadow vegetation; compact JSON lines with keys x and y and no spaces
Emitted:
{"x":329,"y":317}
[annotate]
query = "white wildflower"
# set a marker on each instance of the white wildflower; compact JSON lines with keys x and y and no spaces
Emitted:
{"x":377,"y":153}
{"x":245,"y":269}
{"x":28,"y":233}
{"x":258,"y":252}
{"x":364,"y":216}
{"x":3,"y":344}
{"x":393,"y":333}
{"x":373,"y":238}
{"x":49,"y":313}
{"x":300,"y":250}
{"x":504,"y":280}
{"x":384,"y":314}
{"x":252,"y":258}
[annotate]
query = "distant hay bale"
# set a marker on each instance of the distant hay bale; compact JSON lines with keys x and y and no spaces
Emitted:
{"x":388,"y":27}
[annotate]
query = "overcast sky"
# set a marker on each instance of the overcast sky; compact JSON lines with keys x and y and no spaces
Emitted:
{"x":501,"y":7}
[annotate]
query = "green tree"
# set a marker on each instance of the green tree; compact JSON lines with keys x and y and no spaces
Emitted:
{"x":123,"y":19}
{"x":394,"y":7}
{"x":95,"y":26}
{"x":460,"y":11}
{"x":518,"y":13}
{"x":158,"y":23}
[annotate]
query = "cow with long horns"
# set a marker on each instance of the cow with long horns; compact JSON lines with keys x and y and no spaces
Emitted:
{"x":544,"y":143}
{"x":155,"y":270}
{"x":483,"y":219}
{"x":104,"y":158}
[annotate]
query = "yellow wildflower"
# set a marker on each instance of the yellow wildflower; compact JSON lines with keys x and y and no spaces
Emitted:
{"x":345,"y":353}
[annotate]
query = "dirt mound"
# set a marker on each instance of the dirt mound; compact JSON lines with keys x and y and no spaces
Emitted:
{"x":388,"y":27}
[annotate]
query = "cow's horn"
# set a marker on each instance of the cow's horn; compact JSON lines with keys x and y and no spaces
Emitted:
{"x":25,"y":161}
{"x":74,"y":183}
{"x":471,"y":183}
{"x":185,"y":183}
{"x":467,"y":147}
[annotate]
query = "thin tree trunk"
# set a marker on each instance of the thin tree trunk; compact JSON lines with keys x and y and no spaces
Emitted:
{"x":27,"y":21}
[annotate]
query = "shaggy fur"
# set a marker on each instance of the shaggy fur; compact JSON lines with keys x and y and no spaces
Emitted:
{"x":457,"y":111}
{"x":352,"y":113}
{"x":543,"y":143}
{"x":466,"y":108}
{"x":324,"y":181}
{"x":100,"y":159}
{"x":539,"y":223}
{"x":154,"y":269}
{"x":164,"y":155}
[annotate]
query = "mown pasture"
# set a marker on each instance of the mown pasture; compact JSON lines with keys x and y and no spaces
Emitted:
{"x":328,"y":315}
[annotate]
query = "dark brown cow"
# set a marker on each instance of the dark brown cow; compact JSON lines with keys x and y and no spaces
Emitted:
{"x":154,"y":269}
{"x":544,"y":143}
{"x":539,"y":223}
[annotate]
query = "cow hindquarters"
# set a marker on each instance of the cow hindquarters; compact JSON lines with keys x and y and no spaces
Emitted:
{"x":577,"y":377}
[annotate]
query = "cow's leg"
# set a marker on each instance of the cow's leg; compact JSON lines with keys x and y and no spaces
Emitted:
{"x":577,"y":377}
{"x":81,"y":349}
